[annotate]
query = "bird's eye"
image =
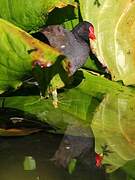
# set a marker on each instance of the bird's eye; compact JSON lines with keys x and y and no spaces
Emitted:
{"x":91,"y":33}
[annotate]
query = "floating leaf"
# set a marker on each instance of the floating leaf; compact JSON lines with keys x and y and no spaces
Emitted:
{"x":29,"y":163}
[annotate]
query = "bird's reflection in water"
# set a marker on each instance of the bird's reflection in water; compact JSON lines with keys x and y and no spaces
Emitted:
{"x":78,"y":144}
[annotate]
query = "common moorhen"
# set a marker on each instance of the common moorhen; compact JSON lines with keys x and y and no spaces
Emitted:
{"x":74,"y":44}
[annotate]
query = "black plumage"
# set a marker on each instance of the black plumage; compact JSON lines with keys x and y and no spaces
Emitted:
{"x":73,"y":44}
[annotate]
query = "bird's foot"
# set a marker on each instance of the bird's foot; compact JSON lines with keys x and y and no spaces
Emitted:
{"x":52,"y":92}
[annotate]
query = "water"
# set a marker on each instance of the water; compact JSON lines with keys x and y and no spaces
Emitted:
{"x":42,"y":148}
{"x":17,"y":155}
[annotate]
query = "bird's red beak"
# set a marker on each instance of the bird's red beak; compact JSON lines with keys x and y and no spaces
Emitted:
{"x":91,"y":33}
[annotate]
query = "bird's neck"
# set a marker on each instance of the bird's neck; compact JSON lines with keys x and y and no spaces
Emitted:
{"x":81,"y":39}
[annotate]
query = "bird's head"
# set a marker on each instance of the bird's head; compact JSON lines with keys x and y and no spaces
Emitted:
{"x":85,"y":31}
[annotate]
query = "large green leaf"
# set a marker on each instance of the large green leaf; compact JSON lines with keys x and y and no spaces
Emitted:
{"x":71,"y":101}
{"x":29,"y":15}
{"x":19,"y":51}
{"x":114,"y":27}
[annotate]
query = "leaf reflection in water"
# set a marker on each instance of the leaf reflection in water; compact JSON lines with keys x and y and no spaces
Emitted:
{"x":114,"y":124}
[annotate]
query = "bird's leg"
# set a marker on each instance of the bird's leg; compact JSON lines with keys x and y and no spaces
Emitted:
{"x":49,"y":80}
{"x":55,"y":98}
{"x":52,"y":91}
